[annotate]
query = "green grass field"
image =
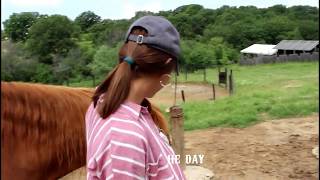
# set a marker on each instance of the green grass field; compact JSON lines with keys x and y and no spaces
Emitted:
{"x":262,"y":92}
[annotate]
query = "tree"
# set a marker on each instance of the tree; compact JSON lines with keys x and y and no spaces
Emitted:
{"x":62,"y":69}
{"x":276,"y":28}
{"x":43,"y":73}
{"x":82,"y":55}
{"x":52,"y":35}
{"x":18,"y":24}
{"x":309,"y":29}
{"x":198,"y":55}
{"x":140,"y":14}
{"x":190,"y":20}
{"x":294,"y":34}
{"x":278,"y":9}
{"x":87,"y":19}
{"x":109,"y":32}
{"x":56,"y":47}
{"x":14,"y":66}
{"x":303,"y":13}
{"x":104,"y":60}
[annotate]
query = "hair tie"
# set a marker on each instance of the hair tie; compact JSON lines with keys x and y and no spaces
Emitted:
{"x":129,"y":60}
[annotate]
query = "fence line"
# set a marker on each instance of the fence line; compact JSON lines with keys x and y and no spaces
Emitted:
{"x":303,"y":57}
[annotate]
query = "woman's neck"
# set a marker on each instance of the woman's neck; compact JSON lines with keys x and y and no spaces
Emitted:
{"x":136,"y":94}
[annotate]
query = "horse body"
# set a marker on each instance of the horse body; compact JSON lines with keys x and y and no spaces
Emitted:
{"x":42,"y":130}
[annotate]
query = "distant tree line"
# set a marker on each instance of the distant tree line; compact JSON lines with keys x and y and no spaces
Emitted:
{"x":55,"y":49}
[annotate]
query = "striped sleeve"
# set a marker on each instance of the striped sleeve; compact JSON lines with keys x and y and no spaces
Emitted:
{"x":124,"y":156}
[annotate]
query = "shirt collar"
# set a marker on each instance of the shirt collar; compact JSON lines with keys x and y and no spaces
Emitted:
{"x":135,"y":109}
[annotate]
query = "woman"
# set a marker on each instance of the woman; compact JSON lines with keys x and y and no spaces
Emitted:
{"x":127,"y":137}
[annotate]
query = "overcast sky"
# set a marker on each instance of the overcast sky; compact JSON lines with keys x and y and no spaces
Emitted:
{"x":118,"y":9}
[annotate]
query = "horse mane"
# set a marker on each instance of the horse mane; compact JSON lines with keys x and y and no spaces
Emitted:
{"x":49,"y":118}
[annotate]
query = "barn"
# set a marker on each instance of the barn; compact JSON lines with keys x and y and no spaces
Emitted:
{"x":286,"y":47}
{"x":284,"y":51}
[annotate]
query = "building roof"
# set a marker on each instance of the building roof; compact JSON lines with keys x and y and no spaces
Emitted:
{"x":262,"y":49}
{"x":301,"y":45}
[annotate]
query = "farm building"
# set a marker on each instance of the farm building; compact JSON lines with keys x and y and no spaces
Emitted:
{"x":297,"y":47}
{"x":255,"y":53}
{"x":259,"y":50}
{"x":284,"y":51}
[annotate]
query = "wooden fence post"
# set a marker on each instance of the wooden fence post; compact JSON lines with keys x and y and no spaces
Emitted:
{"x":182,"y":94}
{"x":213,"y":92}
{"x":230,"y":83}
{"x":226,"y":85}
{"x":177,"y":132}
{"x":219,"y":76}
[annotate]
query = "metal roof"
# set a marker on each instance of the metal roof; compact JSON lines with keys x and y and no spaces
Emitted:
{"x":302,"y":45}
{"x":263,"y":49}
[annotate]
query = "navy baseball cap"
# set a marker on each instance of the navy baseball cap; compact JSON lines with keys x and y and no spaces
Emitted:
{"x":162,"y":35}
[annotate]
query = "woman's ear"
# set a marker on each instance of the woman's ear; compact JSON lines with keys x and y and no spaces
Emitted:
{"x":165,"y":79}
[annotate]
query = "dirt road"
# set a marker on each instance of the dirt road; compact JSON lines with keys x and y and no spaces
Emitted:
{"x":275,"y":149}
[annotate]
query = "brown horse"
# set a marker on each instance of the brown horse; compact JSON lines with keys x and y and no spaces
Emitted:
{"x":42,"y":130}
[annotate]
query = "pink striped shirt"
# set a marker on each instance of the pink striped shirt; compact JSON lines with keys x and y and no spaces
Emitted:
{"x":128,"y":145}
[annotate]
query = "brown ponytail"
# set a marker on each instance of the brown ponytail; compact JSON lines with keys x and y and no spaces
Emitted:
{"x":113,"y":91}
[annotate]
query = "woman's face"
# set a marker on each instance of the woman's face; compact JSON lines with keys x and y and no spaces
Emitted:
{"x":157,"y":83}
{"x":154,"y":83}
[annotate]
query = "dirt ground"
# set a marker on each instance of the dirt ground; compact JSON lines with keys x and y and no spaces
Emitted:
{"x":275,"y":149}
{"x":192,"y":92}
{"x":272,"y":150}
